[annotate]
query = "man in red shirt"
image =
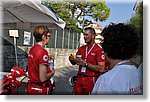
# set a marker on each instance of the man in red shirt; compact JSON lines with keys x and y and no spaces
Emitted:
{"x":38,"y":67}
{"x":91,"y":64}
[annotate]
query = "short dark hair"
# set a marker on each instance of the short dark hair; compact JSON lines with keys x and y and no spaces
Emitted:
{"x":92,"y":30}
{"x":39,"y":31}
{"x":120,"y":41}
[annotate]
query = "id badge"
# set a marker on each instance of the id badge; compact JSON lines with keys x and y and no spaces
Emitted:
{"x":83,"y":69}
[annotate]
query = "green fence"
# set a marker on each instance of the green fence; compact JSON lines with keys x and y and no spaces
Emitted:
{"x":64,"y":39}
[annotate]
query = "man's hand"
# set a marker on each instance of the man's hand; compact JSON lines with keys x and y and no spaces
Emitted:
{"x":52,"y":72}
{"x":72,"y":59}
{"x":80,"y":62}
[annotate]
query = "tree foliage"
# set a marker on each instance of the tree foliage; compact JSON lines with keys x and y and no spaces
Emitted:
{"x":73,"y":13}
{"x":137,"y":21}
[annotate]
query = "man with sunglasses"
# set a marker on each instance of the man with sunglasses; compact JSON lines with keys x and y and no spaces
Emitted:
{"x":38,"y":67}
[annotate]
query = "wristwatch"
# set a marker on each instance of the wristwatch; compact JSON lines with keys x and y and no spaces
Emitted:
{"x":86,"y":64}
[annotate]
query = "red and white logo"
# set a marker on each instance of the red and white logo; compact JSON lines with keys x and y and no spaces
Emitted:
{"x":45,"y":57}
{"x":103,"y":56}
{"x":93,"y":54}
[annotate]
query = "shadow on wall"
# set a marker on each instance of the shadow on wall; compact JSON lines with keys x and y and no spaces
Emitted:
{"x":9,"y":58}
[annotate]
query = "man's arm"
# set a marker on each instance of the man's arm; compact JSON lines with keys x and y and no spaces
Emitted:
{"x":97,"y":68}
{"x":43,"y":75}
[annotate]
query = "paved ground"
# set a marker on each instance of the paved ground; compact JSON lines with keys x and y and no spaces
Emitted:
{"x":61,"y":77}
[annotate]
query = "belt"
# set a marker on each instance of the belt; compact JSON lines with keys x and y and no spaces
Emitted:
{"x":45,"y":83}
{"x":37,"y":83}
{"x":83,"y":75}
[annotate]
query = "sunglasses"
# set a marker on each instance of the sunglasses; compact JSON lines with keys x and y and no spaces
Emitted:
{"x":48,"y":35}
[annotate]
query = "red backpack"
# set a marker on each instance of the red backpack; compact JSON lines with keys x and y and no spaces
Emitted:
{"x":4,"y":85}
{"x":15,"y":73}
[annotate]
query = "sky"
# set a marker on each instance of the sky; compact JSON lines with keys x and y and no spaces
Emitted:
{"x":120,"y":11}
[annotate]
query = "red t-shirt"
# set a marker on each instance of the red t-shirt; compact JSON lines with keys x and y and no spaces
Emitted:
{"x":94,"y":56}
{"x":37,"y":55}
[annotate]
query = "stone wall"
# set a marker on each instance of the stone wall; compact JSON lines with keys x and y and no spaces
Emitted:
{"x":61,"y":55}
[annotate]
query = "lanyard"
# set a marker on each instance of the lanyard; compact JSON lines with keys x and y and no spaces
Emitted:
{"x":87,"y":52}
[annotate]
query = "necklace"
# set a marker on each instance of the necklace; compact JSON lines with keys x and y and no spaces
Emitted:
{"x":39,"y":43}
{"x":122,"y":62}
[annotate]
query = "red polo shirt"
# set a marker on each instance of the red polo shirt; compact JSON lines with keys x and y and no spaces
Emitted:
{"x":37,"y":55}
{"x":94,"y":56}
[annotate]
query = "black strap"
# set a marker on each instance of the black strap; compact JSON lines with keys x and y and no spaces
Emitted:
{"x":40,"y":83}
{"x":37,"y":83}
{"x":83,"y":75}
